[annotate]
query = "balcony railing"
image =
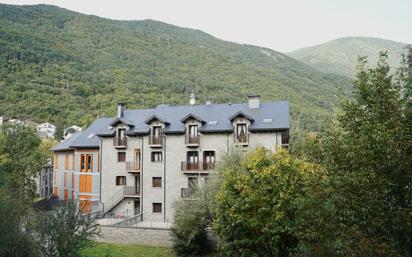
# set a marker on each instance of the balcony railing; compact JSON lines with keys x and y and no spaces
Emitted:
{"x":241,"y":139}
{"x":120,"y":142}
{"x":133,"y":166}
{"x":197,"y":166}
{"x":131,"y":191}
{"x":186,"y":193}
{"x":155,"y":140}
{"x":192,"y":140}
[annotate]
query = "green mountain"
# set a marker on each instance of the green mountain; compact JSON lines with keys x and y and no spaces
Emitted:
{"x":340,"y":56}
{"x":67,"y":67}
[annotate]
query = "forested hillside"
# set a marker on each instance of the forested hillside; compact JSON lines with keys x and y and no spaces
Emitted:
{"x":340,"y":56}
{"x":67,"y":67}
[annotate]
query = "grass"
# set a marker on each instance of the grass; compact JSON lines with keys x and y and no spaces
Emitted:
{"x":119,"y":250}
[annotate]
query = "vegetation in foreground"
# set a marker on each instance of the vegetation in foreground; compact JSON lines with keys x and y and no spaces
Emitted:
{"x":119,"y":250}
{"x":344,"y":192}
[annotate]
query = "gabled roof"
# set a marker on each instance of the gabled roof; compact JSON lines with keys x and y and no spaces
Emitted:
{"x":217,"y":118}
{"x":240,"y":114}
{"x":86,"y":138}
{"x":192,"y":116}
{"x":156,"y":117}
{"x":121,"y":120}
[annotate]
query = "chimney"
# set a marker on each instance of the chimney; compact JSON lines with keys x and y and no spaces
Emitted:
{"x":120,"y":110}
{"x":254,"y":101}
{"x":209,"y":101}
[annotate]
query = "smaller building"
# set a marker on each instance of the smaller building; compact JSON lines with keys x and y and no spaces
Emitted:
{"x":70,"y":131}
{"x":46,"y":130}
{"x":16,"y":122}
{"x":1,"y":120}
{"x":46,"y":179}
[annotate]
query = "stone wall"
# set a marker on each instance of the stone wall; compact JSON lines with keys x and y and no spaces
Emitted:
{"x":133,"y":235}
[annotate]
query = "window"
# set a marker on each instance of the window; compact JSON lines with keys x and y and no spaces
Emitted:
{"x":241,"y":133}
{"x":156,"y":156}
{"x":121,"y":133}
{"x":157,"y":208}
{"x":192,"y":160}
{"x":208,"y":159}
{"x":120,"y":180}
{"x":86,"y":163}
{"x":121,"y":156}
{"x":157,"y":182}
{"x":192,"y":183}
{"x":156,"y":131}
{"x":193,"y":130}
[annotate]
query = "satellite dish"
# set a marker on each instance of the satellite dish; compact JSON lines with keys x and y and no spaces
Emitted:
{"x":192,"y":100}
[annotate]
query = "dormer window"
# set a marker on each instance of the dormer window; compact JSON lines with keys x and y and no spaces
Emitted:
{"x":192,"y":136}
{"x":120,"y":141}
{"x":155,"y":138}
{"x":241,"y":134}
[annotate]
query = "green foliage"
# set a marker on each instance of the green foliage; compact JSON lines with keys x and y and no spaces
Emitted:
{"x":192,"y":218}
{"x":367,"y":154}
{"x":16,"y":228}
{"x":260,"y":202}
{"x":339,"y":56}
{"x":21,"y":159}
{"x":119,"y":250}
{"x":82,"y":65}
{"x":66,"y":232}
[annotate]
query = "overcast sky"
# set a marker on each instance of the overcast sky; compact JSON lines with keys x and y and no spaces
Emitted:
{"x":282,"y":25}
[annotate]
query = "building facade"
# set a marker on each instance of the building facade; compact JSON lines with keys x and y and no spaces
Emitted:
{"x":148,"y":159}
{"x":46,"y":179}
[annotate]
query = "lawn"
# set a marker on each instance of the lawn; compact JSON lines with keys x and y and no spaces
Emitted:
{"x":118,"y":250}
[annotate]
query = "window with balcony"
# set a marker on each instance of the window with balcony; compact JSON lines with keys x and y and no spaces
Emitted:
{"x":241,"y":135}
{"x":156,"y":182}
{"x":157,"y":208}
{"x":208,"y":160}
{"x":120,"y":180}
{"x":192,"y":160}
{"x":121,"y":156}
{"x":156,"y":157}
{"x":155,"y":135}
{"x":120,"y":140}
{"x":192,"y":136}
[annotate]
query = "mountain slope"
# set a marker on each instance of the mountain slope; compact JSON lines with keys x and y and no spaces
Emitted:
{"x":67,"y":67}
{"x":339,"y":56}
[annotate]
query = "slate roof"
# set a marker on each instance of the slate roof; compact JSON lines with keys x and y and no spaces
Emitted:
{"x":270,"y":116}
{"x":86,"y":138}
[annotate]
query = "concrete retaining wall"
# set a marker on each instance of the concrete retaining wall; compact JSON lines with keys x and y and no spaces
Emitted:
{"x":133,"y":235}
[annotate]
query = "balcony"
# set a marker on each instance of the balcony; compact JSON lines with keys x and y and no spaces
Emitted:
{"x":186,"y":193}
{"x":241,"y":139}
{"x":191,"y":140}
{"x":120,"y":142}
{"x":197,"y":167}
{"x":155,"y":141}
{"x":131,"y":191}
{"x":133,"y":166}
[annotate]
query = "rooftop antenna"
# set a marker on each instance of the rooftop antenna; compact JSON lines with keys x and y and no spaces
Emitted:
{"x":192,"y":100}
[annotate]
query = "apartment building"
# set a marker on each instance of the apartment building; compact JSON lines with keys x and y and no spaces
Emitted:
{"x":147,"y":159}
{"x":76,"y":167}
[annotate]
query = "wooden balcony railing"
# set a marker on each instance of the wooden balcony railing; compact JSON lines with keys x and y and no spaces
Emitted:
{"x":155,"y":140}
{"x":241,"y":139}
{"x":120,"y":142}
{"x":192,"y":140}
{"x":133,"y":166}
{"x":197,"y":166}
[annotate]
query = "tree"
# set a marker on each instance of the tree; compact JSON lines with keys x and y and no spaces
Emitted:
{"x":193,"y":217}
{"x":367,"y":156}
{"x":21,"y":161}
{"x":65,"y":232}
{"x":260,"y":201}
